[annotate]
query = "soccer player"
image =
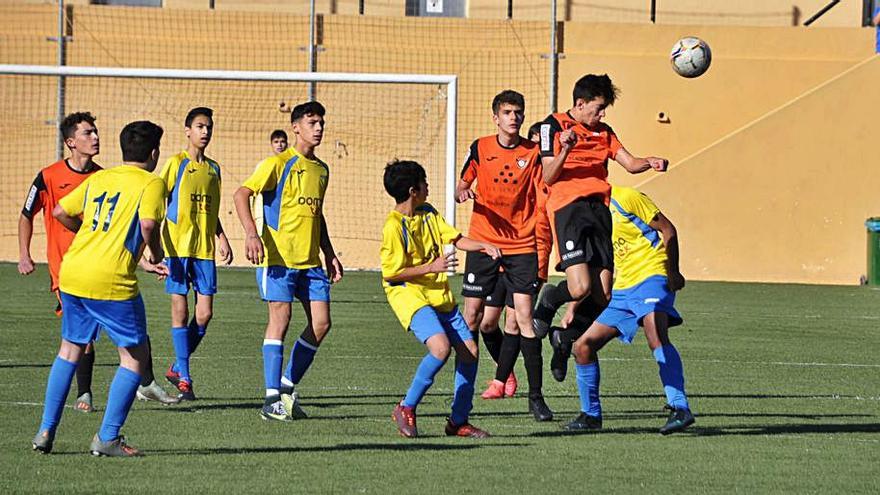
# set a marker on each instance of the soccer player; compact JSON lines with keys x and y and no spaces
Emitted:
{"x":647,"y":277}
{"x":507,"y":170}
{"x":278,"y":140}
{"x":51,"y":184}
{"x":192,"y":222}
{"x":115,"y":214}
{"x":293,"y":185}
{"x":414,"y":264}
{"x":575,"y":148}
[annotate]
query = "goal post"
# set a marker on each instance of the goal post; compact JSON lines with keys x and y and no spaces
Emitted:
{"x":372,"y":118}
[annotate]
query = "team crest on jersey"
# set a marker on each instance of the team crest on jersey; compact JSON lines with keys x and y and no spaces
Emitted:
{"x":521,"y":163}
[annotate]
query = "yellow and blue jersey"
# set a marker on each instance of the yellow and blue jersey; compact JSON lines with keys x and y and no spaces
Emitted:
{"x":639,"y":252}
{"x":292,"y":187}
{"x":193,"y":190}
{"x":101,"y":261}
{"x":414,"y":241}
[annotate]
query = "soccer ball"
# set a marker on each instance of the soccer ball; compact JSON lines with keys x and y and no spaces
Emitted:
{"x":690,"y":57}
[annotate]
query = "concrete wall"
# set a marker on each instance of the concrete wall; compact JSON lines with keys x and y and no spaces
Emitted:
{"x":751,"y":141}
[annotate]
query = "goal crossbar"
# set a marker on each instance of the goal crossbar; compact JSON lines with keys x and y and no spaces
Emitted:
{"x":451,"y":82}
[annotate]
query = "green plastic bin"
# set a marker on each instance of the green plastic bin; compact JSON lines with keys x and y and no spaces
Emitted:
{"x":873,"y":225}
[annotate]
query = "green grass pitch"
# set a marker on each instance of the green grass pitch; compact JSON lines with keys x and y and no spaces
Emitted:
{"x":784,"y":380}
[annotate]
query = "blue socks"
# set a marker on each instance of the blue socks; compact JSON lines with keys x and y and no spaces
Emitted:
{"x":463,"y":398}
{"x":196,"y":333}
{"x":301,"y":357}
{"x":672,"y":376}
{"x":122,"y":392}
{"x":423,"y":380}
{"x":588,"y":388}
{"x":57,"y":388}
{"x":273,"y":357}
{"x":180,"y":338}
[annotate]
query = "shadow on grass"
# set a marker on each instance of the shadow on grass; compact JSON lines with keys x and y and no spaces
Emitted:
{"x":412,"y":446}
{"x":698,"y":431}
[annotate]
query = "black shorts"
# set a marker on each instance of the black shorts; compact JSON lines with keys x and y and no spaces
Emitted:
{"x":482,"y":274}
{"x":500,"y":296}
{"x":583,"y":234}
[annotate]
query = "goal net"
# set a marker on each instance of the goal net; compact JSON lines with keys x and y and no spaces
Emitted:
{"x":371,"y":119}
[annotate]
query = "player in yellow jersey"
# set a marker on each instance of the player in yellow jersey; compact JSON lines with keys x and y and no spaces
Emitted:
{"x":416,"y":255}
{"x":115,"y":213}
{"x":647,"y":277}
{"x":294,"y":234}
{"x":192,"y":181}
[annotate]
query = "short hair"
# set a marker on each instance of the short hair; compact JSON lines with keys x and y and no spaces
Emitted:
{"x":307,"y":108}
{"x":510,"y":97}
{"x":70,"y":122}
{"x":278,"y":134}
{"x":400,"y":176}
{"x":195,"y":112}
{"x":592,"y":86}
{"x":138,"y":140}
{"x":534,"y":130}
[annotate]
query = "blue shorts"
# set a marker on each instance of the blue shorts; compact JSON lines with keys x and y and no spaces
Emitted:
{"x":428,"y":322}
{"x":282,"y":284}
{"x":628,"y":307}
{"x":182,"y":272}
{"x":125,"y":322}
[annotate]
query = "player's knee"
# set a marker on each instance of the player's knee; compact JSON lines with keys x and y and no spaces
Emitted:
{"x":204,"y":316}
{"x":441,"y":352}
{"x":582,"y":351}
{"x":489,"y":327}
{"x":579,"y":289}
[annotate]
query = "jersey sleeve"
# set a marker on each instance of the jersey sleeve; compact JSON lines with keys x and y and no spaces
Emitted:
{"x":393,"y":250}
{"x":74,"y":203}
{"x":613,"y":143}
{"x":34,"y":201}
{"x":264,"y":178}
{"x":152,"y":205}
{"x":168,"y":173}
{"x":471,"y":162}
{"x":549,"y":142}
{"x":448,"y":233}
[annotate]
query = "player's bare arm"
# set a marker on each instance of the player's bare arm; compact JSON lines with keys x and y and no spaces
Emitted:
{"x":463,"y":191}
{"x":70,"y":223}
{"x":334,"y":266}
{"x":670,"y":241}
{"x":552,"y":166}
{"x":253,"y":246}
{"x":636,"y":165}
{"x":224,"y":249}
{"x":468,"y":244}
{"x":25,"y":233}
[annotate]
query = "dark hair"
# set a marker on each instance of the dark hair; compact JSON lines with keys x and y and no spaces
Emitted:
{"x":138,"y":140}
{"x":534,"y":129}
{"x":278,"y":133}
{"x":400,"y":176}
{"x":510,"y":97}
{"x":195,"y":112}
{"x":68,"y":125}
{"x":592,"y":86}
{"x":307,"y":108}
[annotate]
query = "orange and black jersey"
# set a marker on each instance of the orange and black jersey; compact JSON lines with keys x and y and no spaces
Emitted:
{"x":506,"y":193}
{"x":51,"y":184}
{"x":585,"y":171}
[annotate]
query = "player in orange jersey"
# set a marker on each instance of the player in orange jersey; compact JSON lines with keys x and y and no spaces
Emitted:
{"x":507,"y":171}
{"x":51,"y":184}
{"x":575,"y":148}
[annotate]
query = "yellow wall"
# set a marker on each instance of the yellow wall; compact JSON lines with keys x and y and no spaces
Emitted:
{"x":784,"y":199}
{"x":706,"y":12}
{"x":747,"y":115}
